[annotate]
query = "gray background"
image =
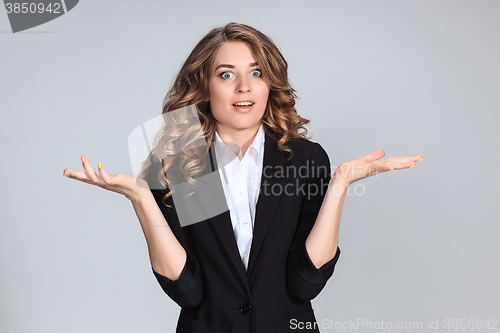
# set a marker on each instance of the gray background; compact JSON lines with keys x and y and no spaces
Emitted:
{"x":409,"y":77}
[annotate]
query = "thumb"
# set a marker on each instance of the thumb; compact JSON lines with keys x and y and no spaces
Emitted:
{"x":375,"y":155}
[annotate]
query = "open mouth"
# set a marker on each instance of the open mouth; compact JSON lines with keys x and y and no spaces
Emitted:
{"x":243,"y":104}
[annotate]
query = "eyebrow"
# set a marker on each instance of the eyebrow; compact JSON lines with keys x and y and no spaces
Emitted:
{"x":253,"y":64}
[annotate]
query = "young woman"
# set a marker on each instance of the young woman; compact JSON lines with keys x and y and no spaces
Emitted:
{"x":255,"y":267}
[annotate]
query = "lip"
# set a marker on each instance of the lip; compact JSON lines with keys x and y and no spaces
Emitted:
{"x":243,"y":108}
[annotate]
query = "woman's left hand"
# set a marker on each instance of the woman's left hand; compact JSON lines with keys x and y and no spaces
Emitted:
{"x":370,"y":165}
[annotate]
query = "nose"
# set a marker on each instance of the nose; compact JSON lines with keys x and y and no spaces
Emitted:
{"x":243,"y":85}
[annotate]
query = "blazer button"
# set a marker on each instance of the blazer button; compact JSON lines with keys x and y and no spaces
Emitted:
{"x":245,"y":308}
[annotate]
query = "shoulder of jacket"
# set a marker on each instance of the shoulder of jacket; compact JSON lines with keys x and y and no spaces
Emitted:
{"x":303,"y":145}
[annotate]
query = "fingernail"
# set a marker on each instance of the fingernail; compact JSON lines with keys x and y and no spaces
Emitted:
{"x":420,"y":159}
{"x":83,"y":159}
{"x":411,"y":166}
{"x":99,"y":165}
{"x":66,"y":174}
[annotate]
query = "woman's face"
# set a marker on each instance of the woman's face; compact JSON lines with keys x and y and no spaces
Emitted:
{"x":238,"y":94}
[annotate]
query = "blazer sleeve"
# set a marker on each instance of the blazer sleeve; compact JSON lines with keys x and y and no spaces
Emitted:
{"x":187,"y":291}
{"x":304,"y":280}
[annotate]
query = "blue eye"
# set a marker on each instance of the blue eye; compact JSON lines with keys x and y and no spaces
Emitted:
{"x":225,"y":75}
{"x":258,"y":71}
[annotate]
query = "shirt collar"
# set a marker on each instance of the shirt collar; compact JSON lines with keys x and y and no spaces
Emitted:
{"x":256,"y":149}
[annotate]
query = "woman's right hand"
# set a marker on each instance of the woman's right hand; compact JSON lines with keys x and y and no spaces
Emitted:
{"x":133,"y":188}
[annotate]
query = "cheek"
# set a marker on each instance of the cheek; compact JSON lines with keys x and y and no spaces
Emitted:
{"x":265,"y":97}
{"x":216,"y":95}
{"x":217,"y":104}
{"x":264,"y":91}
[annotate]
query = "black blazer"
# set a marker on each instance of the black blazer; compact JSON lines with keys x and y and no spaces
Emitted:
{"x":215,"y":291}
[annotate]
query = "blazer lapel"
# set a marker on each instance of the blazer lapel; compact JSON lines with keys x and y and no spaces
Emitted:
{"x":274,"y":162}
{"x":224,"y":229}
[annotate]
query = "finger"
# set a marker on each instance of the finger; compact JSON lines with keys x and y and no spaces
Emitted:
{"x":376,"y":168}
{"x":402,"y":165}
{"x":414,"y":158}
{"x":394,"y":163}
{"x":76,"y":174}
{"x":375,"y":155}
{"x":89,"y":171}
{"x":103,"y":173}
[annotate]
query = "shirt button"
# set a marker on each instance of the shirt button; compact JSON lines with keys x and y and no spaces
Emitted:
{"x":242,"y":193}
{"x":245,"y":224}
{"x":242,"y":164}
{"x":246,"y":255}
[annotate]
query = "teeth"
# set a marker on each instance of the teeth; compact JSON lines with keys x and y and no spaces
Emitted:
{"x":244,"y":104}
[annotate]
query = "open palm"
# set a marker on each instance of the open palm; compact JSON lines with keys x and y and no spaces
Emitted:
{"x":370,"y":165}
{"x":132,"y":188}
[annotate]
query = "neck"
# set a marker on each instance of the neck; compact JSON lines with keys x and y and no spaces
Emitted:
{"x":242,"y":138}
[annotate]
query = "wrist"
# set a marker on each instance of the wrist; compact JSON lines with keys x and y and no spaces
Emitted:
{"x":139,"y":196}
{"x":338,"y":185}
{"x":340,"y":177}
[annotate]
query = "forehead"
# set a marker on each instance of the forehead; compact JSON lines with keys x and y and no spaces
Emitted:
{"x":234,"y":53}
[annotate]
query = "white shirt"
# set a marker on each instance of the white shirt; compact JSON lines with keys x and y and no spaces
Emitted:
{"x":241,"y":183}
